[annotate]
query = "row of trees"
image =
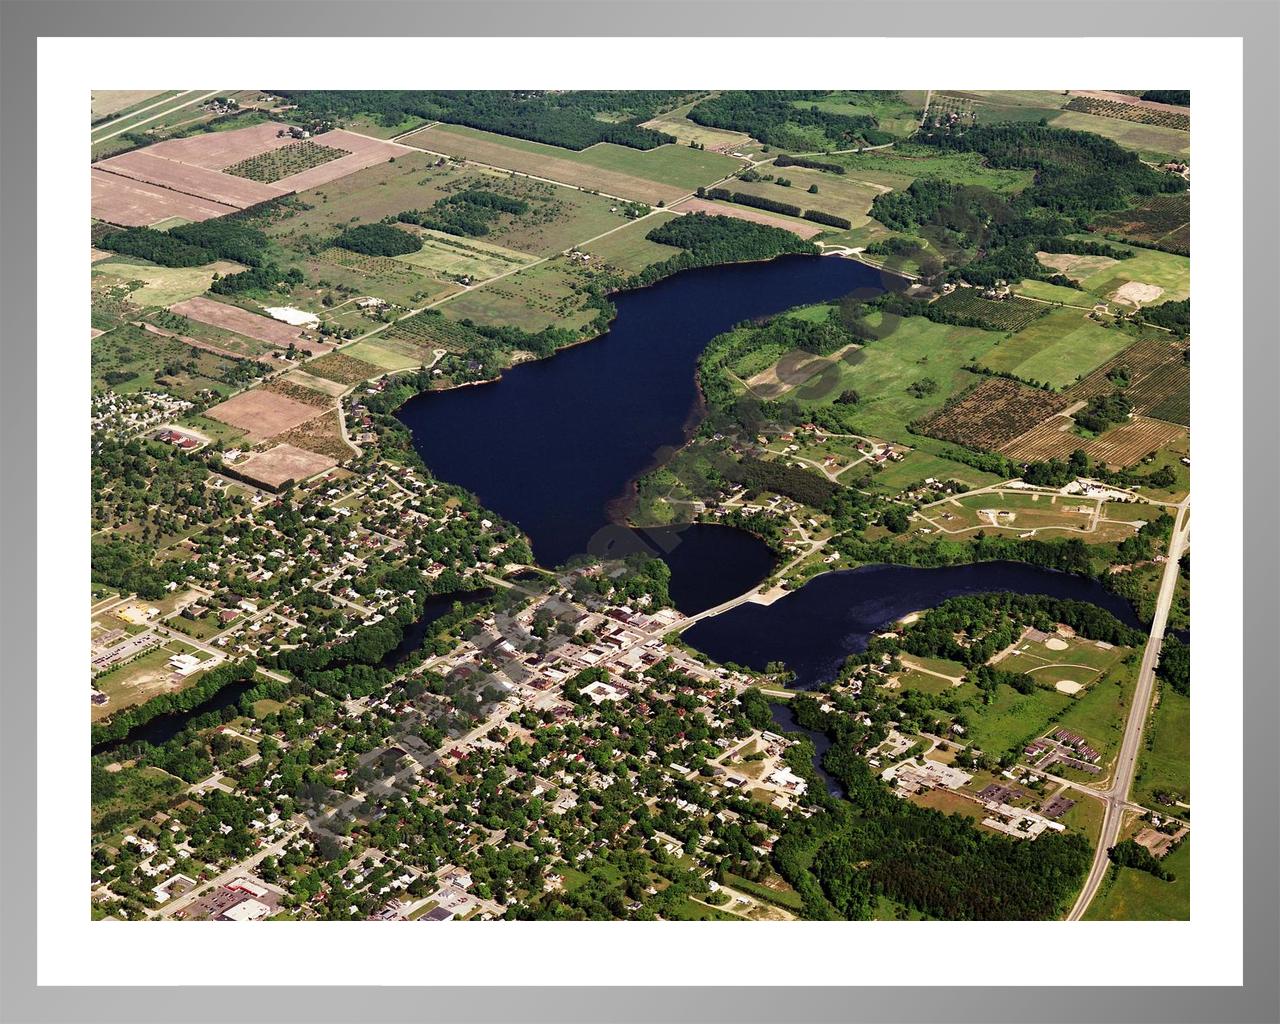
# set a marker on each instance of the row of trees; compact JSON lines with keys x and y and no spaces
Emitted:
{"x":565,"y":119}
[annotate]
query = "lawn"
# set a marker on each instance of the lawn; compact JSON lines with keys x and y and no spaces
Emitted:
{"x":1127,"y":894}
{"x":1165,"y":763}
{"x":1059,"y":348}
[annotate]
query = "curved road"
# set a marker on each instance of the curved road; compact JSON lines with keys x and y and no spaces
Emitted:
{"x":1117,"y":796}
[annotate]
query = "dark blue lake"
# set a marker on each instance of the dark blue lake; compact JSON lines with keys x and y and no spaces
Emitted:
{"x":555,"y":445}
{"x":815,"y":628}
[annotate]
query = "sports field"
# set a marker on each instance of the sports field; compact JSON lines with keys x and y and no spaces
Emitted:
{"x":1057,"y":349}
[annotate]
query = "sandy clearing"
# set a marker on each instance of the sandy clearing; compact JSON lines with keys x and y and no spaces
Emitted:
{"x":1054,"y":644}
{"x":262,"y":414}
{"x":1068,"y":686}
{"x":1135,"y":293}
{"x":747,"y":213}
{"x":281,"y":464}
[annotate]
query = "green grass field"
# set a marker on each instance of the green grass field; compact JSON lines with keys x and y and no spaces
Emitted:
{"x":161,"y":286}
{"x":1127,"y":894}
{"x":915,"y":349}
{"x":1058,"y":348}
{"x":447,"y":255}
{"x":898,"y":167}
{"x":1149,"y":141}
{"x":1013,"y":718}
{"x":629,"y":250}
{"x":676,"y":122}
{"x":1053,"y":293}
{"x":1166,"y":271}
{"x":1166,"y":763}
{"x":837,"y":194}
{"x":379,"y":354}
{"x":680,"y":166}
{"x":918,"y":466}
{"x":898,"y":114}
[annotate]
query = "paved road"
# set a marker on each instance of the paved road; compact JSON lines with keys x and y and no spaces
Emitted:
{"x":1117,"y":797}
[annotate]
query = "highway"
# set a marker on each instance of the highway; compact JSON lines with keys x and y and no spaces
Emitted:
{"x":1117,"y":796}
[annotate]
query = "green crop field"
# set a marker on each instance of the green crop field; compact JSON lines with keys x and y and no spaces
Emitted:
{"x":1127,"y":894}
{"x":1058,"y":348}
{"x":1165,"y":764}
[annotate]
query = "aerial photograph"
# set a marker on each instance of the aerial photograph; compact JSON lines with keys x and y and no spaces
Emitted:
{"x":640,"y":505}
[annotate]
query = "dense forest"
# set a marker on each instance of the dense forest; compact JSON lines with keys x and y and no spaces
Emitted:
{"x":378,"y":240}
{"x":709,"y":239}
{"x":851,"y":854}
{"x":1077,"y":175}
{"x":191,"y":245}
{"x":567,"y":119}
